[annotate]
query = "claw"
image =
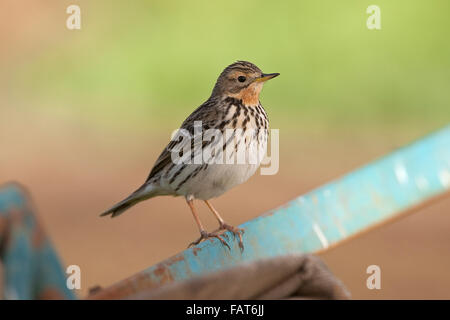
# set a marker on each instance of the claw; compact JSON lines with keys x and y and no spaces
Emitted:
{"x":205,"y":235}
{"x":223,"y":241}
{"x":236,"y":232}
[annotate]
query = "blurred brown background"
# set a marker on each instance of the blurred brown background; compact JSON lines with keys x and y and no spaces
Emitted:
{"x":84,"y":114}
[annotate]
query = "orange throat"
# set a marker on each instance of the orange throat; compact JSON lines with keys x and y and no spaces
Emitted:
{"x":249,"y":95}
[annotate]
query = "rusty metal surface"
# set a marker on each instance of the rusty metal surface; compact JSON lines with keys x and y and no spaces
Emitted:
{"x":382,"y":190}
{"x":31,"y":268}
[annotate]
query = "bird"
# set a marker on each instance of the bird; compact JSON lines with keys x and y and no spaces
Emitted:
{"x":232,"y":123}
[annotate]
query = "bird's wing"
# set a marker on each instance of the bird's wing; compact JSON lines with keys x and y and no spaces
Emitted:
{"x":208,"y":114}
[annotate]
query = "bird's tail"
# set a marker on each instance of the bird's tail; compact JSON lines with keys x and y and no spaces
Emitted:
{"x":139,"y":195}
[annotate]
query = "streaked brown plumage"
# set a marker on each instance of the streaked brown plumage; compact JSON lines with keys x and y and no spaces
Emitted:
{"x":234,"y":107}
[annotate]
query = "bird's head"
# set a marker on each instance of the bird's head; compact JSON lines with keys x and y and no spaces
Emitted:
{"x":242,"y":80}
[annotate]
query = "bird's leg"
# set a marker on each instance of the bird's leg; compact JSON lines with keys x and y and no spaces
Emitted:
{"x":203,"y":233}
{"x":224,"y":226}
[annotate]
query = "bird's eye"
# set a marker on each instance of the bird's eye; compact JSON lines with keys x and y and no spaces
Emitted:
{"x":241,"y":79}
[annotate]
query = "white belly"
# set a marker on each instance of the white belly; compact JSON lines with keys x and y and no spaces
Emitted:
{"x":212,"y":180}
{"x":217,"y":179}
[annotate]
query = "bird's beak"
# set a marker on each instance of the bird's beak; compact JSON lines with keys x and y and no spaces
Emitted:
{"x":266,"y":76}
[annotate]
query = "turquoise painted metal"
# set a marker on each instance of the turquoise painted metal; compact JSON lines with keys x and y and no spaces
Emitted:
{"x":31,"y":267}
{"x":364,"y":198}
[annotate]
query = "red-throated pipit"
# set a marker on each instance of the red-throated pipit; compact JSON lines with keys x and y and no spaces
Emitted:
{"x":233,"y":128}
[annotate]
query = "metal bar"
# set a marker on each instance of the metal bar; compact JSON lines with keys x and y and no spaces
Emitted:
{"x":31,"y":266}
{"x":384,"y":189}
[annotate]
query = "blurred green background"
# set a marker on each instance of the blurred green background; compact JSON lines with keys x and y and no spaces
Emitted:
{"x":85,"y":113}
{"x":154,"y":61}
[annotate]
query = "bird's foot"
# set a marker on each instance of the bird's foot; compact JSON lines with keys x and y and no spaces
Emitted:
{"x":237,"y":232}
{"x":205,"y":235}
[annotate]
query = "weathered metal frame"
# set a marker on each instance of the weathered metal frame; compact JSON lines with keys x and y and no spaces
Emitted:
{"x":401,"y":182}
{"x":31,"y":268}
